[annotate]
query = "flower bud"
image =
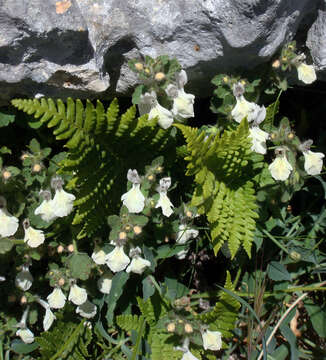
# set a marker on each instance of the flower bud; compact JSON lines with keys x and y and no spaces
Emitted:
{"x":188,"y":328}
{"x":159,"y":76}
{"x":295,"y":256}
{"x":60,"y":249}
{"x":150,"y":177}
{"x":24,"y":156}
{"x":139,"y":66}
{"x":147,"y":71}
{"x":137,"y":230}
{"x":226,"y":79}
{"x":127,"y":227}
{"x":70,"y":248}
{"x":61,"y":281}
{"x":170,"y":327}
{"x":273,"y":136}
{"x":290,"y":136}
{"x":276,"y":64}
{"x":122,"y":235}
{"x":23,"y":300}
{"x":37,"y":168}
{"x":189,"y":214}
{"x":6,"y":174}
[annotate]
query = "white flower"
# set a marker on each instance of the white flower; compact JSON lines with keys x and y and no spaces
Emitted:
{"x":244,"y":108}
{"x":212,"y":340}
{"x":8,"y":223}
{"x":33,"y":237}
{"x":63,"y":203}
{"x":258,"y":139}
{"x":117,"y":260}
{"x":86,"y":310}
{"x":49,"y":317}
{"x":57,"y":299}
{"x":138,"y":265}
{"x":306,"y":73}
{"x":104,"y":283}
{"x":46,"y":210}
{"x":188,"y":356}
{"x":77,"y":295}
{"x":163,"y":201}
{"x":183,"y":236}
{"x":134,"y":200}
{"x":280,"y":168}
{"x":99,"y":256}
{"x":24,"y":279}
{"x":26,"y":335}
{"x":183,"y":105}
{"x":165,"y":117}
{"x":313,"y":162}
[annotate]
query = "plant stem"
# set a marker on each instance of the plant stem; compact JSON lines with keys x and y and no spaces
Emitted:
{"x":275,"y":241}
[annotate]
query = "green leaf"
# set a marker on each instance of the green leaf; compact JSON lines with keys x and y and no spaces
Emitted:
{"x":277,"y":272}
{"x":148,"y":288}
{"x":175,"y":289}
{"x":118,"y":282}
{"x":6,"y":119}
{"x":21,"y":348}
{"x":5,"y":245}
{"x":34,"y":146}
{"x":317,"y":317}
{"x":137,"y":93}
{"x":80,"y":265}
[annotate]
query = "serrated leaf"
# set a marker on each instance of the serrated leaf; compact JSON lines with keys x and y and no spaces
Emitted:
{"x":80,"y":265}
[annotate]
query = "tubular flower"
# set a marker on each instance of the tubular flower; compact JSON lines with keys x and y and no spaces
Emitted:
{"x":87,"y":310}
{"x":48,"y":319}
{"x":164,"y":202}
{"x":24,"y":279}
{"x":183,"y":105}
{"x":77,"y":295}
{"x":280,"y":168}
{"x":258,"y":139}
{"x":8,"y":223}
{"x":244,"y":109}
{"x":212,"y":340}
{"x":33,"y":237}
{"x":63,"y":203}
{"x":138,"y":264}
{"x":165,"y":116}
{"x":183,"y":236}
{"x":313,"y":162}
{"x":134,"y":200}
{"x":57,"y":299}
{"x":306,"y":73}
{"x":98,"y":256}
{"x":117,"y":260}
{"x":46,"y":210}
{"x":26,"y":335}
{"x":104,"y":283}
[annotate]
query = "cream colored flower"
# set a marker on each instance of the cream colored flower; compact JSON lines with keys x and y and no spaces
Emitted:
{"x":26,"y":335}
{"x":63,"y":203}
{"x":313,"y":162}
{"x":48,"y":319}
{"x":8,"y":223}
{"x":99,"y":256}
{"x":306,"y":73}
{"x":117,"y":260}
{"x":163,"y":201}
{"x":188,"y":356}
{"x":33,"y":237}
{"x":87,"y":310}
{"x":244,"y":108}
{"x":57,"y":299}
{"x":138,"y":265}
{"x":165,"y":117}
{"x":258,"y":139}
{"x":212,"y":340}
{"x":134,"y":200}
{"x":46,"y":210}
{"x":77,"y":295}
{"x":104,"y":283}
{"x":280,"y":168}
{"x":185,"y":234}
{"x":24,"y":279}
{"x":183,"y":105}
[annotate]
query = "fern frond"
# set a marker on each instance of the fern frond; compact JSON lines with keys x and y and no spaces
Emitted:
{"x":128,"y":322}
{"x":100,"y":146}
{"x":223,"y":192}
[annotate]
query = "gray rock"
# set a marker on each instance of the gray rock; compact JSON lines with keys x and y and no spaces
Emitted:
{"x":316,"y":42}
{"x":80,"y":48}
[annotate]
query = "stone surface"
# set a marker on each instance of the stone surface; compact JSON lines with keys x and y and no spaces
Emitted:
{"x":80,"y":48}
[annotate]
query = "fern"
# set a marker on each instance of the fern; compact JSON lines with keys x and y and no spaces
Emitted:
{"x":223,"y":192}
{"x":224,"y":313}
{"x":100,"y":147}
{"x":129,"y":322}
{"x":67,"y":340}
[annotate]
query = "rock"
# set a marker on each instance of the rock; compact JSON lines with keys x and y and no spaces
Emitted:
{"x":316,"y":42}
{"x":80,"y":48}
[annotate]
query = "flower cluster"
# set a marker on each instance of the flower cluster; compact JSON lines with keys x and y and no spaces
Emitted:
{"x":280,"y":168}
